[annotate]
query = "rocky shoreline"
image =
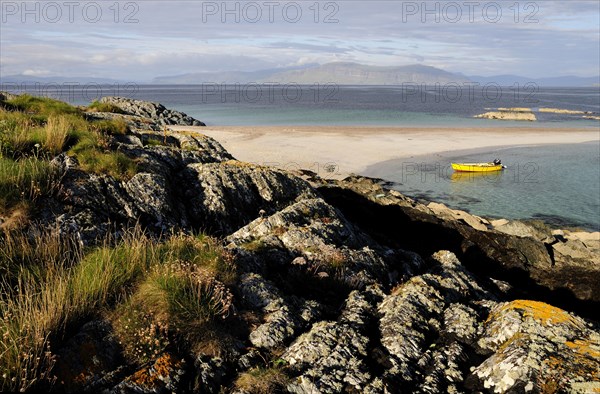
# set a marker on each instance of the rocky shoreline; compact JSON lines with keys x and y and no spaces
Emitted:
{"x":343,"y":286}
{"x":527,"y":114}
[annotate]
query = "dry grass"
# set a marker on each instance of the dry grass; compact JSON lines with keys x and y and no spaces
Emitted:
{"x":55,"y":134}
{"x":262,"y":381}
{"x":43,"y":303}
{"x":179,"y":298}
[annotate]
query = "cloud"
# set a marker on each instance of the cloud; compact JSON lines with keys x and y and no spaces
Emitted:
{"x":36,"y":73}
{"x":180,"y":37}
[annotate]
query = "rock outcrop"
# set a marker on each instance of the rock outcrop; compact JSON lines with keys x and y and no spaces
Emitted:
{"x":156,"y":112}
{"x":564,"y":111}
{"x":342,"y":286}
{"x":508,"y":115}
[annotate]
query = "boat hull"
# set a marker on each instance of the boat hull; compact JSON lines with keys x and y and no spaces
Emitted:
{"x":476,"y":167}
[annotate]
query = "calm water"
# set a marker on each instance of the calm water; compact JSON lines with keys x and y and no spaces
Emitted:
{"x":261,"y":104}
{"x":555,"y":183}
{"x":560,"y":184}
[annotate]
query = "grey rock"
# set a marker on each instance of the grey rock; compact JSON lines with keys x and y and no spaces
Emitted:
{"x":536,"y":348}
{"x":414,"y":315}
{"x":332,"y":356}
{"x":521,"y":229}
{"x":5,"y":96}
{"x":210,"y":373}
{"x":154,"y":111}
{"x":151,"y":195}
{"x":164,"y":375}
{"x":226,"y":196}
{"x":321,"y":236}
{"x":280,"y":322}
{"x":249,"y":360}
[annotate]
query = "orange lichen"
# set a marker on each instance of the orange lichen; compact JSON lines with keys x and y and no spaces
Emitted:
{"x":584,"y":362}
{"x":584,"y":348}
{"x":546,"y":314}
{"x":150,"y":376}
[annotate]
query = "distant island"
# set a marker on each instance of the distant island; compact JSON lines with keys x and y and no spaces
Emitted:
{"x":347,"y":73}
{"x":341,"y":73}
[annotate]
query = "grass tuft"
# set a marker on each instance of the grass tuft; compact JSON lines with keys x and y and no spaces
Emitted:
{"x":97,"y":106}
{"x":41,"y":106}
{"x":116,"y":164}
{"x":110,"y":126}
{"x":24,"y":180}
{"x":262,"y":380}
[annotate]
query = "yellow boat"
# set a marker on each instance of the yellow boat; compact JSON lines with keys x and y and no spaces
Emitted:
{"x":496,"y":165}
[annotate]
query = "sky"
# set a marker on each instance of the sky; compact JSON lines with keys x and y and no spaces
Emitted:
{"x":140,"y":40}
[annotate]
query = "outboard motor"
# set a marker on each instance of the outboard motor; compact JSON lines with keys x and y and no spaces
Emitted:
{"x":497,"y":162}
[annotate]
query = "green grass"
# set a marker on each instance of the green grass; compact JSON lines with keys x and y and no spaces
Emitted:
{"x":97,"y":106}
{"x":24,"y":180}
{"x":181,"y":298}
{"x":40,"y":106}
{"x":43,"y":128}
{"x":202,"y":251}
{"x":170,"y":291}
{"x":116,"y":164}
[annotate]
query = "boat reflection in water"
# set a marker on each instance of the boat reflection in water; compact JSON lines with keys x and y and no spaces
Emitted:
{"x":463,"y":177}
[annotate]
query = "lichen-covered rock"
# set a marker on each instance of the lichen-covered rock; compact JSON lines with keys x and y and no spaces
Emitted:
{"x":151,"y":195}
{"x":209,"y":374}
{"x":529,"y":264}
{"x":164,"y":375}
{"x":156,"y":112}
{"x":226,"y":196}
{"x":333,"y":356}
{"x":280,"y":318}
{"x":419,"y":313}
{"x":324,"y":240}
{"x":537,"y":348}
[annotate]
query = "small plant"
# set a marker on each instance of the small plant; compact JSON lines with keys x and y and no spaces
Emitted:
{"x":200,"y":251}
{"x":333,"y":257}
{"x":55,"y":134}
{"x":110,"y":126}
{"x":143,"y":337}
{"x":185,"y":295}
{"x":263,"y":380}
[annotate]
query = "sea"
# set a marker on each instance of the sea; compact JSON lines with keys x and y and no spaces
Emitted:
{"x":558,"y":184}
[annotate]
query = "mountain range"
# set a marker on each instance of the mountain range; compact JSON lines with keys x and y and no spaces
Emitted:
{"x":345,"y":73}
{"x":342,"y":73}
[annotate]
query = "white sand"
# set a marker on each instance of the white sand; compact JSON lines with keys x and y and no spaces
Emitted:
{"x":353,"y":149}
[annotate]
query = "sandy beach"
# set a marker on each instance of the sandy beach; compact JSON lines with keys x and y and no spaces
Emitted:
{"x":335,"y":151}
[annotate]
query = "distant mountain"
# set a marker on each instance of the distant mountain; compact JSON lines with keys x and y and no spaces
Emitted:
{"x":359,"y":74}
{"x":340,"y":73}
{"x":563,"y":81}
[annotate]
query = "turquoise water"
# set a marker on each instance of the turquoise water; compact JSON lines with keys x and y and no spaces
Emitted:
{"x":557,"y":183}
{"x":331,"y":104}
